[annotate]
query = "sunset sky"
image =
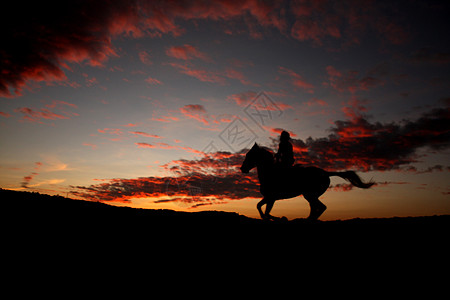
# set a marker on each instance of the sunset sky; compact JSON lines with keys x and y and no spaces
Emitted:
{"x":153,"y":104}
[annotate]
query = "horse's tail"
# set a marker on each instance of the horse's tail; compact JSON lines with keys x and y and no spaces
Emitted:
{"x":353,"y":178}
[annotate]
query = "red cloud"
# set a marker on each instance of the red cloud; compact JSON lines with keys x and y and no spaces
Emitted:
{"x":39,"y":43}
{"x":167,"y":147}
{"x":235,"y":74}
{"x":165,"y":119}
{"x":350,"y":82}
{"x":196,"y":112}
{"x":297,"y":80}
{"x":144,"y":56}
{"x":114,"y":131}
{"x":145,"y":134}
{"x":242,"y":99}
{"x":193,"y":190}
{"x":35,"y":116}
{"x":151,"y":80}
{"x":200,"y":74}
{"x":58,"y":103}
{"x":27,"y":179}
{"x":278,"y":131}
{"x":194,"y":108}
{"x":215,"y":177}
{"x":187,"y":52}
{"x":360,"y":144}
{"x":304,"y":29}
{"x":145,"y":145}
{"x":212,"y":179}
{"x":6,"y":115}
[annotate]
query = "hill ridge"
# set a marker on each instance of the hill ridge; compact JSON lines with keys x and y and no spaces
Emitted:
{"x":31,"y":203}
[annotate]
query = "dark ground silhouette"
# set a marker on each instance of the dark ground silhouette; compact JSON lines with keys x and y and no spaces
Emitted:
{"x":42,"y":234}
{"x":25,"y":208}
{"x":41,"y":230}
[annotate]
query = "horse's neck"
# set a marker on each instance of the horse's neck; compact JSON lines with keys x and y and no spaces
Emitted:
{"x":264,"y":172}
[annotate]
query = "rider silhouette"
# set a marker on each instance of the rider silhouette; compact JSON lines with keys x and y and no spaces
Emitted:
{"x":285,"y":154}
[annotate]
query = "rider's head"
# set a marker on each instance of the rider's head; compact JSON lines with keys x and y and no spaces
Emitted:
{"x":285,"y":136}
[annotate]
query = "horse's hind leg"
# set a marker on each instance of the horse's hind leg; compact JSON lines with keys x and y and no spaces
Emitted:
{"x":317,"y":207}
{"x":259,"y":205}
{"x":269,"y":204}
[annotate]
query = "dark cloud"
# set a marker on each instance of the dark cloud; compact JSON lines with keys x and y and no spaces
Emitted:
{"x":429,"y":55}
{"x":364,"y":145}
{"x":41,"y":39}
{"x":348,"y":21}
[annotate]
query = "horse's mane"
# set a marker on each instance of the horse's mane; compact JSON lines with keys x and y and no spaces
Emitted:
{"x":267,"y":153}
{"x":266,"y":149}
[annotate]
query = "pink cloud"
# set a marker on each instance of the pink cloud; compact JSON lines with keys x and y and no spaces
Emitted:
{"x":130,"y":125}
{"x":354,"y":109}
{"x":242,"y":99}
{"x":145,"y":145}
{"x":235,"y":74}
{"x":35,"y":116}
{"x":113,"y":131}
{"x":6,"y":115}
{"x":152,"y":81}
{"x":145,"y":134}
{"x":200,"y":74}
{"x":316,"y":102}
{"x":196,"y":112}
{"x":58,"y":103}
{"x":167,"y":147}
{"x":187,"y":52}
{"x":93,"y":146}
{"x":144,"y":56}
{"x":166,"y":119}
{"x":278,"y":131}
{"x":296,"y":79}
{"x":351,"y":81}
{"x":82,"y":33}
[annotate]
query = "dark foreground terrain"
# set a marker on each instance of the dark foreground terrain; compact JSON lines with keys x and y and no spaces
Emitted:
{"x":34,"y":210}
{"x":39,"y":231}
{"x":53,"y":244}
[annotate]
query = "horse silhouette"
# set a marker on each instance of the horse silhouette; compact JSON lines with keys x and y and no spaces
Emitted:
{"x":278,"y":182}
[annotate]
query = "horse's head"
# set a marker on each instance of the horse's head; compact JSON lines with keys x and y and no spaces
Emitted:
{"x":250,"y":159}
